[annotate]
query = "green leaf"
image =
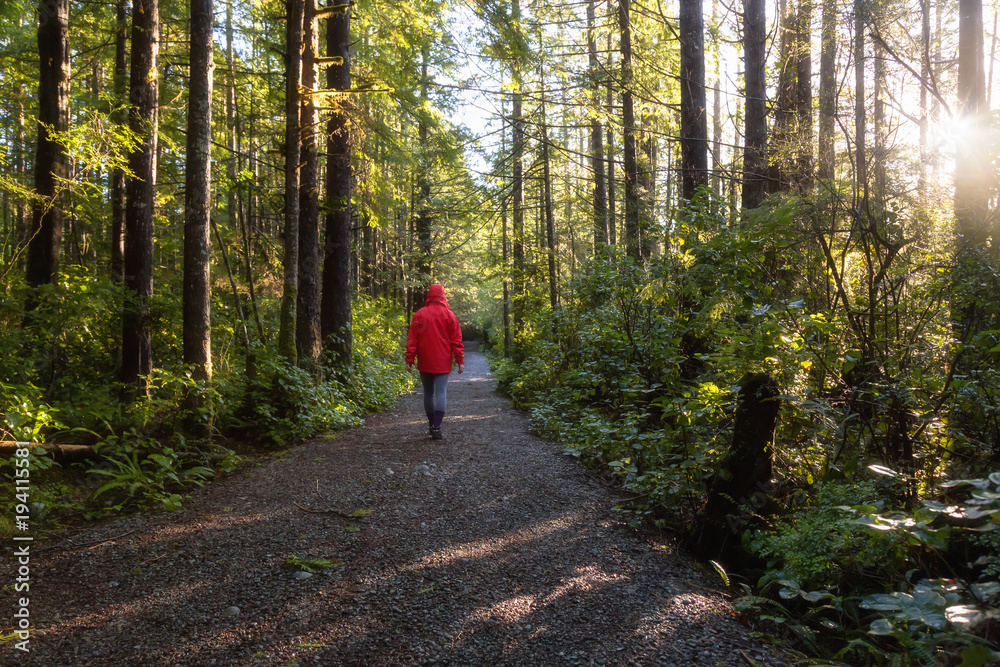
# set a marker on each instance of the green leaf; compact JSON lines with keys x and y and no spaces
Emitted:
{"x":881,"y":627}
{"x":963,"y":614}
{"x":882,"y":602}
{"x":986,"y":589}
{"x":977,"y":656}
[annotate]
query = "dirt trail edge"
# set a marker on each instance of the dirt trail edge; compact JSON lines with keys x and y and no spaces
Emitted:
{"x":486,"y":548}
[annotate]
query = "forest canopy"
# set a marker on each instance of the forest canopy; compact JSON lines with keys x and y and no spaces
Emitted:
{"x":740,"y":258}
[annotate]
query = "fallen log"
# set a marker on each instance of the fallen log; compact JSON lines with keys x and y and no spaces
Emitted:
{"x":74,"y":453}
{"x":59,"y":453}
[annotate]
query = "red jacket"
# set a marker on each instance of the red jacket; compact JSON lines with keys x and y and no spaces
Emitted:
{"x":435,"y":336}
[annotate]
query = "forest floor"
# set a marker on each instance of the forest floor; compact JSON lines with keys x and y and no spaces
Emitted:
{"x":486,"y":548}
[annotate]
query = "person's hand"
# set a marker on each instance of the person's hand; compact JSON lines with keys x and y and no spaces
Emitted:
{"x":461,"y":368}
{"x":409,"y":368}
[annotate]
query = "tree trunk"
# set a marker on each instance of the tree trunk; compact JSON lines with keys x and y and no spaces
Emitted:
{"x":424,"y":260}
{"x":755,"y":128}
{"x":860,"y":117}
{"x":631,"y":162}
{"x":197,"y":293}
{"x":694,"y":118}
{"x":517,"y":186}
{"x":119,"y":117}
{"x":783,"y":135}
{"x":803,"y":75}
{"x":596,"y":137}
{"x":612,"y":215}
{"x":51,"y":160}
{"x":828,"y":93}
{"x":293,"y":157}
{"x":336,"y":299}
{"x":140,"y":199}
{"x":971,"y":185}
{"x":307,"y":328}
{"x":744,"y":471}
{"x":550,"y":225}
{"x":925,"y":74}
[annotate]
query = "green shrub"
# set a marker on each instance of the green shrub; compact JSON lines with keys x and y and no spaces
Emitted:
{"x":820,"y":547}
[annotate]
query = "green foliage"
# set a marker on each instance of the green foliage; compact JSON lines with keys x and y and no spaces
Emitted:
{"x":637,"y":370}
{"x":816,"y":545}
{"x":289,"y":403}
{"x":140,"y":476}
{"x":309,"y":564}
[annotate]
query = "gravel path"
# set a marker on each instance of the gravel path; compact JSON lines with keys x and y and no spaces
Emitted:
{"x":486,"y":548}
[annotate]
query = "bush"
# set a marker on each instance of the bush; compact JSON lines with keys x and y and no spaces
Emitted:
{"x":819,"y":547}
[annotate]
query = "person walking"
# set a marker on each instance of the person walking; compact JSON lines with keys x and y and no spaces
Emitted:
{"x":434,"y":341}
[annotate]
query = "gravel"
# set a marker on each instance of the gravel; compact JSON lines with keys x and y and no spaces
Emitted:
{"x":486,"y":548}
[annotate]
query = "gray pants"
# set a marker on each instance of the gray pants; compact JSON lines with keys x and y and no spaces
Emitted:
{"x":435,"y":396}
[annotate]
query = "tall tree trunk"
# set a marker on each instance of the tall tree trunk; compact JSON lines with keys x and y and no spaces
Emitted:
{"x":550,"y":225}
{"x":783,"y":135}
{"x":596,"y":136}
{"x":197,"y":293}
{"x":860,"y":115}
{"x":631,"y":163}
{"x":828,"y":93}
{"x":20,"y":222}
{"x":307,"y":328}
{"x":119,"y":117}
{"x":517,"y":184}
{"x":293,"y":157}
{"x":424,"y":222}
{"x":505,"y":252}
{"x":971,"y":185}
{"x":925,"y":75}
{"x":51,"y":162}
{"x":804,"y":121}
{"x":755,"y":122}
{"x":336,"y":299}
{"x":612,"y":214}
{"x":140,"y":199}
{"x":232,"y":206}
{"x":694,"y":118}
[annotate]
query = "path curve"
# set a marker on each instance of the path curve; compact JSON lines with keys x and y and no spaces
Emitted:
{"x":487,"y":548}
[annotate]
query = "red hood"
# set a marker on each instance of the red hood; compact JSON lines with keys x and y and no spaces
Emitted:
{"x":436,"y":295}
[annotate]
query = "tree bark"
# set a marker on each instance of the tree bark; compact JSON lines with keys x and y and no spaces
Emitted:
{"x":612,"y":214}
{"x":925,"y":74}
{"x":694,"y":117}
{"x":119,"y":117}
{"x":596,"y":136}
{"x":424,"y":221}
{"x":633,"y":246}
{"x":971,"y":185}
{"x":307,"y":328}
{"x":197,"y":293}
{"x":293,"y":156}
{"x":51,"y":160}
{"x":335,"y":311}
{"x":755,"y":128}
{"x":140,"y":199}
{"x":550,"y":224}
{"x":826,"y":169}
{"x":803,"y":75}
{"x":860,"y":114}
{"x":517,"y":185}
{"x":783,"y":135}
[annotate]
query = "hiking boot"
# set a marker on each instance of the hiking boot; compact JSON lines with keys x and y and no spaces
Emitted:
{"x":436,"y":434}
